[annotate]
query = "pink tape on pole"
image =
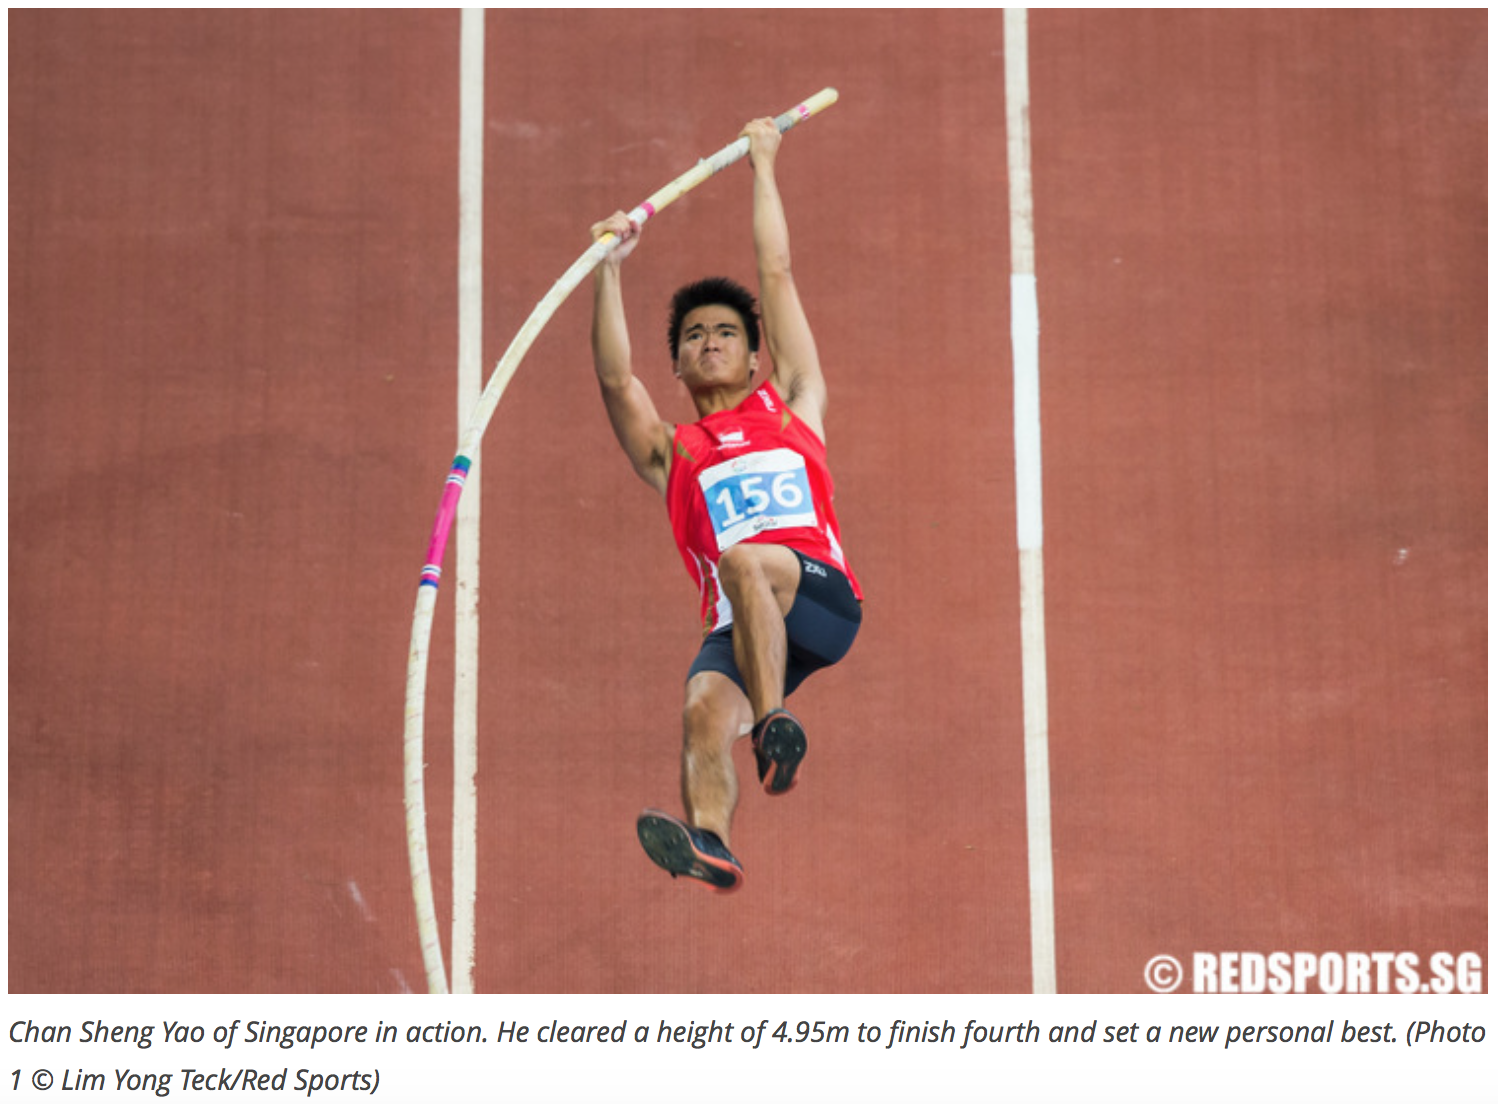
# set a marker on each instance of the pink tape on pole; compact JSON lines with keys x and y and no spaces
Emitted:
{"x":431,"y":573}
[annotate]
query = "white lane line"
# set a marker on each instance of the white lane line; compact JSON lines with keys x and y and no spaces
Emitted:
{"x":1025,"y":323}
{"x":466,"y":590}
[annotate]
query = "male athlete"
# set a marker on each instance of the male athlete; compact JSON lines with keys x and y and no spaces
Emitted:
{"x":749,"y":498}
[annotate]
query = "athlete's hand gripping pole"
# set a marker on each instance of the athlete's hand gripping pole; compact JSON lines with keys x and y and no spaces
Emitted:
{"x":431,"y":572}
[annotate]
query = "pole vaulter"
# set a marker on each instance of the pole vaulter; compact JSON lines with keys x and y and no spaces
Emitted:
{"x":431,"y":572}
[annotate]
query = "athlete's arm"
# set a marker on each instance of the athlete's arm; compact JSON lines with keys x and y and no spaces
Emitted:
{"x":798,"y":372}
{"x":646,"y":439}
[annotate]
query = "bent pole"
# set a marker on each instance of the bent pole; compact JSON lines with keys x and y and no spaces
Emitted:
{"x":431,"y":572}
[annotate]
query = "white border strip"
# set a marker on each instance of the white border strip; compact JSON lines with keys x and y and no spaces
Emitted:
{"x":1025,"y":323}
{"x":466,"y":590}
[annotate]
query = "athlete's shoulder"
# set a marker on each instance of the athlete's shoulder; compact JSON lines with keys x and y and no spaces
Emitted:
{"x":768,"y":397}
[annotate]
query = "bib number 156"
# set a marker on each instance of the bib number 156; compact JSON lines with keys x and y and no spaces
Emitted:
{"x":760,"y":491}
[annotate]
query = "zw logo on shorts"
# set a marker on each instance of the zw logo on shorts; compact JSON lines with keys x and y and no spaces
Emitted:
{"x":812,"y":568}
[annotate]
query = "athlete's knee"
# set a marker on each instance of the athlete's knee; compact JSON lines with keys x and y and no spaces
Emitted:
{"x":713,"y":712}
{"x":696,"y":719}
{"x":746,"y":568}
{"x":738,"y":567}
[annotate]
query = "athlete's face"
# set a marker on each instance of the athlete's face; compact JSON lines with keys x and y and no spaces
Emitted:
{"x":713,"y":349}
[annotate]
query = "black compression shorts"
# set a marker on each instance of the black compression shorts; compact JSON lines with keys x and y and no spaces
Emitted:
{"x":819,"y":628}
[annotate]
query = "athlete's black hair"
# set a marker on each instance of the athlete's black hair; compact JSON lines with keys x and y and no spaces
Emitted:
{"x":714,"y":291}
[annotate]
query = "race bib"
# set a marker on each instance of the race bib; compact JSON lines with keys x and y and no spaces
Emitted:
{"x":759,"y":491}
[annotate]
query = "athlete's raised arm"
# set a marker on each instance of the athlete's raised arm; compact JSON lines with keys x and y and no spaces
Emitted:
{"x":645,"y":438}
{"x":798,"y":371}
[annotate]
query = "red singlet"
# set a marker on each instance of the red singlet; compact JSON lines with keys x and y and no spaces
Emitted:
{"x":755,"y":473}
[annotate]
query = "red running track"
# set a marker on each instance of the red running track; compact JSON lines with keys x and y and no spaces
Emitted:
{"x":1261,"y":245}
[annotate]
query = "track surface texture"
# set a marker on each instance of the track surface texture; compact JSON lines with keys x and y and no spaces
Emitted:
{"x":1261,"y":253}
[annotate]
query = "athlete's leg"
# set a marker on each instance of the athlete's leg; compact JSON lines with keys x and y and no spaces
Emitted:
{"x":715,"y":715}
{"x":760,"y":581}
